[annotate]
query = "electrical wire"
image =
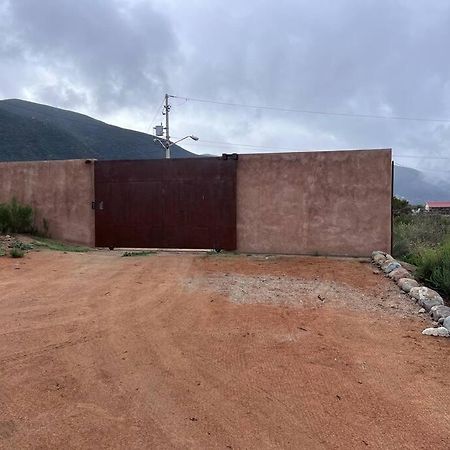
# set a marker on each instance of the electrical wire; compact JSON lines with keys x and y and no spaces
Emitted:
{"x":307,"y":111}
{"x":234,"y":144}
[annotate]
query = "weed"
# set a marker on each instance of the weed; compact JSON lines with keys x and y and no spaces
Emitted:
{"x":140,"y":253}
{"x":59,"y":246}
{"x":415,"y":232}
{"x":220,"y":253}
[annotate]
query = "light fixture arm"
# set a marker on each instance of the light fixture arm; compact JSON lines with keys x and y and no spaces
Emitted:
{"x":195,"y":138}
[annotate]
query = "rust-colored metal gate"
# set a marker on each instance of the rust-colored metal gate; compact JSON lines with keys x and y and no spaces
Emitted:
{"x":175,"y":203}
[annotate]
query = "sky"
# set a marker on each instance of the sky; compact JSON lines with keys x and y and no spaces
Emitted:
{"x":115,"y":59}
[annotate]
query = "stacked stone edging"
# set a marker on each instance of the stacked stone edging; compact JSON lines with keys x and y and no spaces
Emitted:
{"x":428,"y":299}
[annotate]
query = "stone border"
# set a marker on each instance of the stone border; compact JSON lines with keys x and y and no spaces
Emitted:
{"x":429,"y":300}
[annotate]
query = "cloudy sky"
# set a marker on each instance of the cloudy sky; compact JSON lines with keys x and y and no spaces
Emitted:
{"x":115,"y":60}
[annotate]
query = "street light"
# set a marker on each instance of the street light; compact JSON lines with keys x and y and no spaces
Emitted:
{"x":168,"y":144}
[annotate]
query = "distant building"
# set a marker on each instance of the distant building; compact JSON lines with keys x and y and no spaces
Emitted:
{"x":438,"y":207}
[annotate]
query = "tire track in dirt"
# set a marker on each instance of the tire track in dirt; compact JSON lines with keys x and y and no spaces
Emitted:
{"x":161,"y":361}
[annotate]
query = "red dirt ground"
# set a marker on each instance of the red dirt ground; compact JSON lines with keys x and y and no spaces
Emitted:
{"x":100,"y":351}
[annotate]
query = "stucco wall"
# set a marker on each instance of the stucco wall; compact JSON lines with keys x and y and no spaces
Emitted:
{"x":328,"y":203}
{"x":59,"y":191}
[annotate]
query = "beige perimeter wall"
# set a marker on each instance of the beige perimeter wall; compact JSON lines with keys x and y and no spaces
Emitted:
{"x":327,"y":203}
{"x":59,"y":191}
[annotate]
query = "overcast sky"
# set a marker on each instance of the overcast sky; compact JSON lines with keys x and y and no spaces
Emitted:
{"x":115,"y":59}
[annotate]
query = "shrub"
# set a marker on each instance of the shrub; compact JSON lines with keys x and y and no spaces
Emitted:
{"x":419,"y":231}
{"x":434,"y":266}
{"x":15,"y":217}
{"x":17,"y":253}
{"x":21,"y":217}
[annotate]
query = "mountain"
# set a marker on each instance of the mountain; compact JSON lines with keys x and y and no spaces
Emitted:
{"x":415,"y":187}
{"x":32,"y":132}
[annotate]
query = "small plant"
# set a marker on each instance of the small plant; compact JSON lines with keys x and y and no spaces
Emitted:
{"x":17,"y":253}
{"x":141,"y":253}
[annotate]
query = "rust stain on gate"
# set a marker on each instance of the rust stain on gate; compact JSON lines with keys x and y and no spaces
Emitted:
{"x":176,"y":203}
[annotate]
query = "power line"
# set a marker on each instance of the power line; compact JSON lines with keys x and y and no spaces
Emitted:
{"x":307,"y":111}
{"x":234,"y":144}
{"x":422,"y":157}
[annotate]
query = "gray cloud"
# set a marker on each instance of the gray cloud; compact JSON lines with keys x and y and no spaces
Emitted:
{"x":115,"y":59}
{"x":113,"y":53}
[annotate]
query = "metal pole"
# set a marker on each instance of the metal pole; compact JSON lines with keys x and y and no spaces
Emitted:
{"x":167,"y":108}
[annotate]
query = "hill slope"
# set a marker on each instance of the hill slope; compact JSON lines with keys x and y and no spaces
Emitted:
{"x":31,"y":131}
{"x":413,"y":185}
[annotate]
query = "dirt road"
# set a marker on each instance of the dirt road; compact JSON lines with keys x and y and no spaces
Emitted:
{"x":194,"y":351}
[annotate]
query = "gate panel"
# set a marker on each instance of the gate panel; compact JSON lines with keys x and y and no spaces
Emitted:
{"x":176,"y":203}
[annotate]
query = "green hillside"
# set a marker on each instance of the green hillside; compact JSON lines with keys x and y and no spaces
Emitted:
{"x":31,"y":131}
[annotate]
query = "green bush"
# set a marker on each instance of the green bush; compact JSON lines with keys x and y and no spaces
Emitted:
{"x":434,"y":266}
{"x":415,"y":232}
{"x":15,"y":217}
{"x":17,"y":253}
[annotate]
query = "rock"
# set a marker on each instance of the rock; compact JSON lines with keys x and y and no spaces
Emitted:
{"x":378,"y":253}
{"x":421,"y":311}
{"x":406,"y":284}
{"x":446,"y":323}
{"x":440,"y":312}
{"x":389,"y":266}
{"x":440,"y":331}
{"x":376,"y":271}
{"x":428,"y":303}
{"x":422,"y":294}
{"x":387,"y":260}
{"x":396,"y":274}
{"x":379,"y":258}
{"x":409,"y":267}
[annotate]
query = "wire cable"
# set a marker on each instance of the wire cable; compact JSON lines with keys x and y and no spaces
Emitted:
{"x":262,"y":147}
{"x":307,"y":111}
